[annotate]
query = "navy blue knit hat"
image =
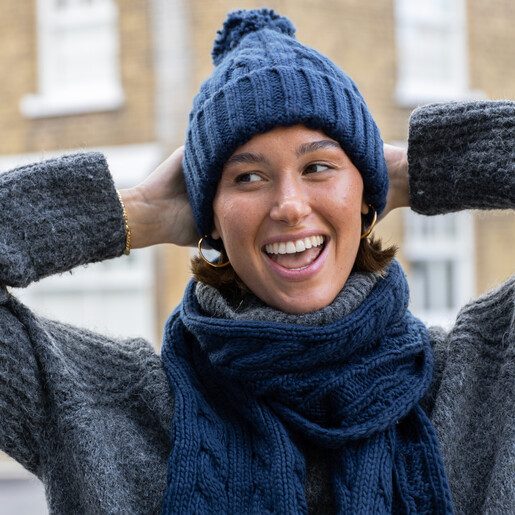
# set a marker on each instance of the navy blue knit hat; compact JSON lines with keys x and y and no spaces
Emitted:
{"x":265,"y":78}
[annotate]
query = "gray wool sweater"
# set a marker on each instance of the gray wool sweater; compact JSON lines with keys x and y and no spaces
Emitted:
{"x":91,"y":416}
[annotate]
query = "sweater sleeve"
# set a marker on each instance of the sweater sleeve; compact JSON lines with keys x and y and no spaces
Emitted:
{"x":21,"y":401}
{"x":472,"y":403}
{"x":462,"y":156}
{"x":56,"y":215}
{"x":72,"y":400}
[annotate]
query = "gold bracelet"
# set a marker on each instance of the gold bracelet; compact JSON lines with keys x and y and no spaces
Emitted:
{"x":127,"y":250}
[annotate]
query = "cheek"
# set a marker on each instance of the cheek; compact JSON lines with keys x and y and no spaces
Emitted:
{"x":231,"y":221}
{"x":342,"y":210}
{"x":344,"y":205}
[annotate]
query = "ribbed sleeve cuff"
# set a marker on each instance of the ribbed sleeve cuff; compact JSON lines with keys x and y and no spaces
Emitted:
{"x":56,"y":215}
{"x":462,"y":156}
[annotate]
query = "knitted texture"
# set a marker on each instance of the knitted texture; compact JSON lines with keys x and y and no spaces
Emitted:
{"x":319,"y":494}
{"x":264,"y":78}
{"x":356,"y":288}
{"x":474,"y":395}
{"x":244,"y":391}
{"x":59,"y":190}
{"x":110,"y":452}
{"x":88,"y":414}
{"x":462,"y":156}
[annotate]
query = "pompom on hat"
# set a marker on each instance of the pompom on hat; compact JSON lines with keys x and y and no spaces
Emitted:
{"x":265,"y":78}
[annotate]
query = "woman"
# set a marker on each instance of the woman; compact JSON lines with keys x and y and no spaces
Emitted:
{"x":292,"y":379}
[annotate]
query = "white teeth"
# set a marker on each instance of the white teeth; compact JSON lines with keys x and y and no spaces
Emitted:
{"x":291,"y":247}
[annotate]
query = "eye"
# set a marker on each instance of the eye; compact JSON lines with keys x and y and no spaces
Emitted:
{"x":316,"y":168}
{"x":248,"y":177}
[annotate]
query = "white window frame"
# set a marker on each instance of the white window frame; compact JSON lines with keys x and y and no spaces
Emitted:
{"x":413,"y":18}
{"x":98,"y":93}
{"x":426,"y":241}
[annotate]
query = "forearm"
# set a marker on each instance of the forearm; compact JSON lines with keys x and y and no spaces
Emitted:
{"x":462,"y":156}
{"x":56,"y":215}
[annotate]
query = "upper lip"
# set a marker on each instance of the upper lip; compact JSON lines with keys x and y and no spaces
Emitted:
{"x":283,"y":238}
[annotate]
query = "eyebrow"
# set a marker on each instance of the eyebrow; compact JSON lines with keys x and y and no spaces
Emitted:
{"x":313,"y":146}
{"x":248,"y":158}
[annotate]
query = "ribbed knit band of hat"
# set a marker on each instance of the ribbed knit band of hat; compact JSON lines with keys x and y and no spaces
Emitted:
{"x":265,"y":78}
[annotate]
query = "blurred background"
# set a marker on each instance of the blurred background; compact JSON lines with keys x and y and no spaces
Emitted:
{"x":119,"y":76}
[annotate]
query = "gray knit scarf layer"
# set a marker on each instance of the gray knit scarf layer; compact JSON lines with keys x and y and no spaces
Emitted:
{"x":356,"y":289}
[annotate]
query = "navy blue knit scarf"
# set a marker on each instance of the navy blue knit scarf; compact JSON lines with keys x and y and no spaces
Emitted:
{"x":246,"y":394}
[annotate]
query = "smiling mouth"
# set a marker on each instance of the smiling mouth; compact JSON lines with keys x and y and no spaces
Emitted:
{"x":296,"y":254}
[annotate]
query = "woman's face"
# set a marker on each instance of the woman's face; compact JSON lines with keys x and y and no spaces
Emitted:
{"x":288,"y":209}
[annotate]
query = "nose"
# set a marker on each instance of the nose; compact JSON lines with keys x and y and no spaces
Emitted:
{"x":291,"y":203}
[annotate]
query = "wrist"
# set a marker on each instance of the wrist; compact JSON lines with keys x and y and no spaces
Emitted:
{"x":399,"y":179}
{"x":139,"y":231}
{"x":127,"y":249}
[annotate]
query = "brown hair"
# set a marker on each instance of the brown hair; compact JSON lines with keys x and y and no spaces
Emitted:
{"x":371,"y":257}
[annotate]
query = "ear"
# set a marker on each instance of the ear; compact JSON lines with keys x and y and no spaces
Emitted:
{"x":215,"y":234}
{"x":365,"y":209}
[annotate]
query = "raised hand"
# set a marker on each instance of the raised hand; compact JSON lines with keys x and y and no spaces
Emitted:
{"x":158,"y":209}
{"x":398,"y":190}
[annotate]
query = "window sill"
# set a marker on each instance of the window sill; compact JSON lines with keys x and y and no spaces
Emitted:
{"x":35,"y":106}
{"x":415,"y":96}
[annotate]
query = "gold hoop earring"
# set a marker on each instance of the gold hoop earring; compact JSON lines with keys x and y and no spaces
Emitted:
{"x":214,"y":265}
{"x":369,"y":230}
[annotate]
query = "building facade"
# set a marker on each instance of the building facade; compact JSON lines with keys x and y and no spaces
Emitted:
{"x":119,"y":77}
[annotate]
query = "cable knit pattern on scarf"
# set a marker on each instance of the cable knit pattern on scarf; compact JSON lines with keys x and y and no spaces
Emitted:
{"x":245,"y":391}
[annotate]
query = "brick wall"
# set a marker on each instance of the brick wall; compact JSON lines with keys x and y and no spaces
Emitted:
{"x":133,"y":123}
{"x":358,"y":35}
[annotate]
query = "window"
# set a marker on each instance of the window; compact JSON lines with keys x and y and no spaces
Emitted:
{"x":440,"y":254}
{"x":431,"y":51}
{"x":78,"y":68}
